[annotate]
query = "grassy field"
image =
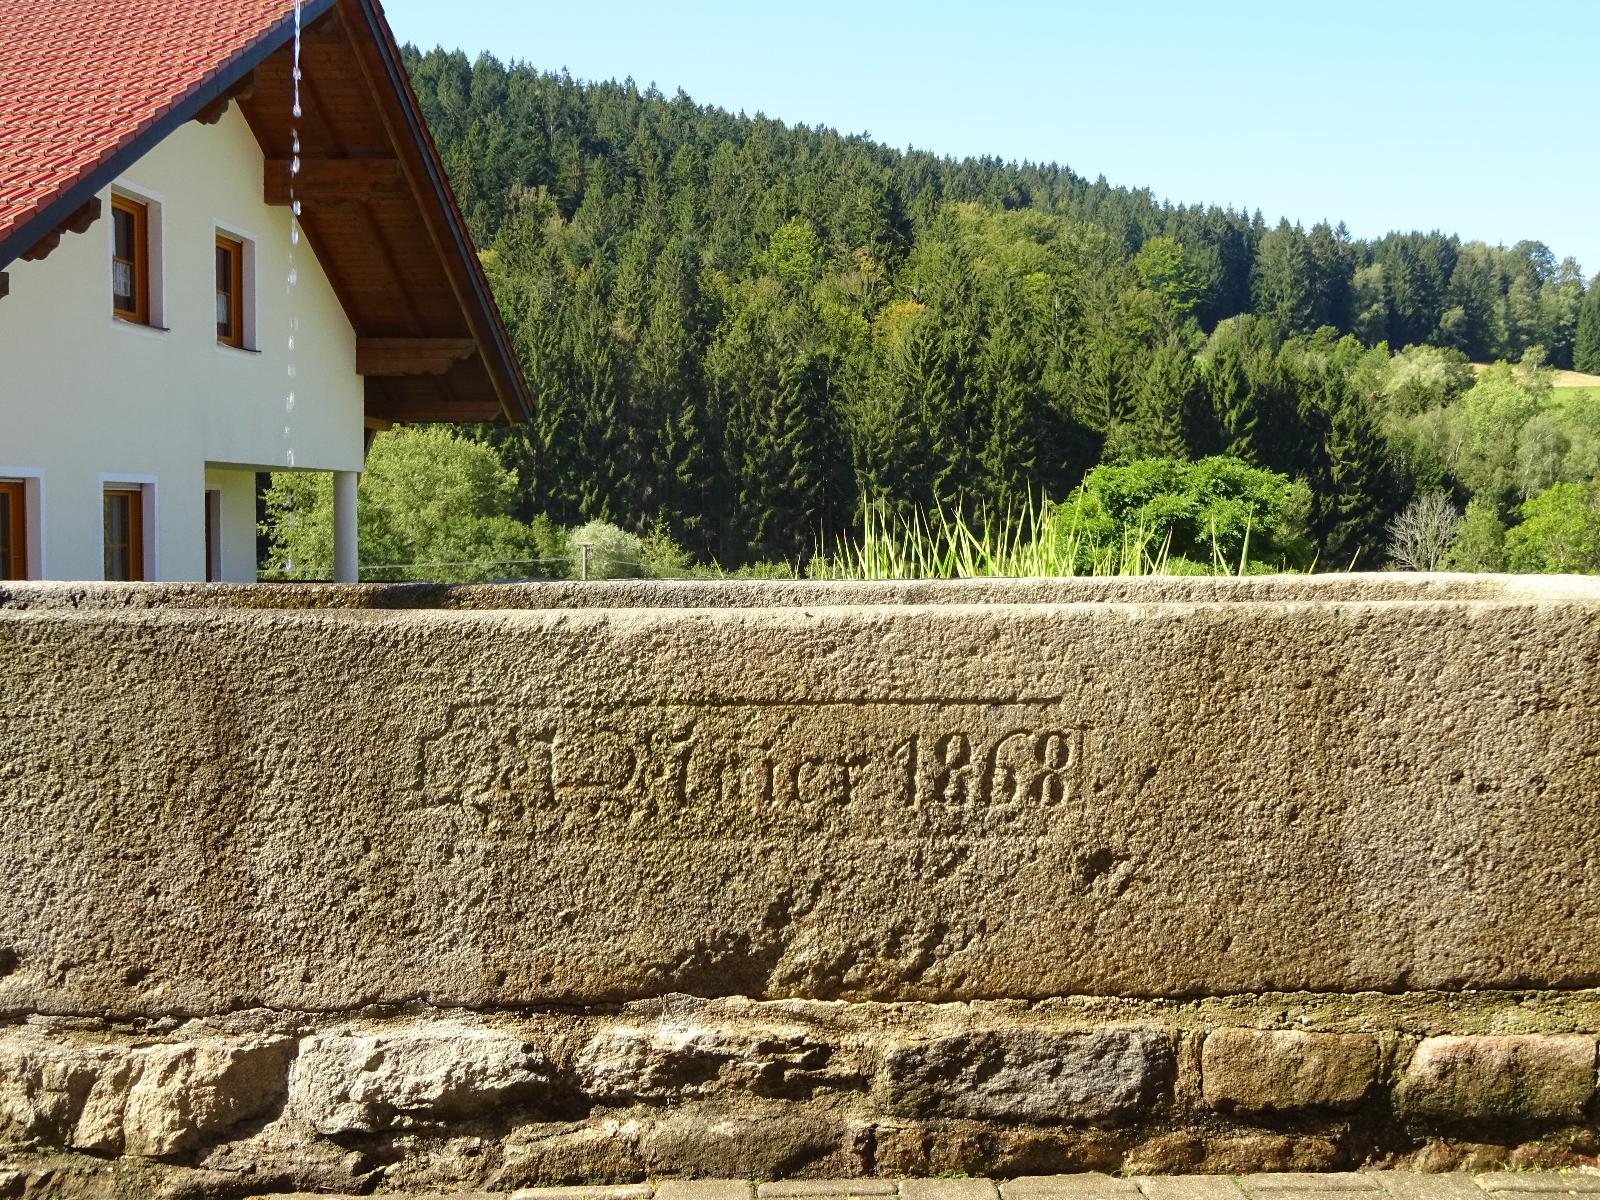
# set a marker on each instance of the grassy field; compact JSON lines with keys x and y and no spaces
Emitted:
{"x":1572,"y":384}
{"x":1576,"y":379}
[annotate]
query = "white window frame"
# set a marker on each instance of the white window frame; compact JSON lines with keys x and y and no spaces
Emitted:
{"x":247,"y":282}
{"x":155,"y":205}
{"x":149,"y":530}
{"x":32,"y":481}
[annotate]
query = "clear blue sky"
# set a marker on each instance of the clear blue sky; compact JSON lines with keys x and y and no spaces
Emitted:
{"x":1471,"y":116}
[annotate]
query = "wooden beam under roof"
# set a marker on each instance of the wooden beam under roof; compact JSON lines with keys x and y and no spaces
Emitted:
{"x":395,"y":411}
{"x":332,"y":180}
{"x":243,"y":90}
{"x":85,"y":215}
{"x":400,"y":356}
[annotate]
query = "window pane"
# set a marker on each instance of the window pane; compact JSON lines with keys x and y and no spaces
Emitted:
{"x":225,"y":297}
{"x":122,"y":285}
{"x":117,"y":515}
{"x":122,"y":222}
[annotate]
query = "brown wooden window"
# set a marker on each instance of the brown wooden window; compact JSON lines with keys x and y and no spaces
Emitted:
{"x":230,"y":291}
{"x":130,"y":260}
{"x":13,"y":530}
{"x":213,"y":535}
{"x":124,"y":527}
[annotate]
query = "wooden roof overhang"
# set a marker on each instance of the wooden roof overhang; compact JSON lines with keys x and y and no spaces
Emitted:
{"x":375,"y":207}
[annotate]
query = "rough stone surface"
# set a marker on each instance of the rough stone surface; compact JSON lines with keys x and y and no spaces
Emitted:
{"x":1028,"y":1075}
{"x":689,"y":1061}
{"x":1562,"y":1182}
{"x":151,"y":1102}
{"x":948,"y":1189}
{"x":1285,"y":1070}
{"x":1275,"y":1183}
{"x":762,"y":1144}
{"x":1088,"y":1185}
{"x":1414,"y":1185}
{"x":827,"y":792}
{"x":413,"y":890}
{"x":1188,"y":1187}
{"x":704,"y":1189}
{"x":349,"y":1083}
{"x":1527,"y":1078}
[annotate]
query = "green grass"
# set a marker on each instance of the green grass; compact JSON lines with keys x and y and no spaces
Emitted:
{"x":1584,"y":395}
{"x":1027,"y":544}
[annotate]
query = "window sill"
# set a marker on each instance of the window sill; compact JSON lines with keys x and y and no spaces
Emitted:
{"x":225,"y":348}
{"x":156,"y":331}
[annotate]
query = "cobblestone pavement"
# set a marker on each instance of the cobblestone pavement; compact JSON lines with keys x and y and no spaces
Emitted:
{"x":1364,"y":1185}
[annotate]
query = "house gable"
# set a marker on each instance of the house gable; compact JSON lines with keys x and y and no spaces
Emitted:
{"x":375,"y":200}
{"x":90,"y":399}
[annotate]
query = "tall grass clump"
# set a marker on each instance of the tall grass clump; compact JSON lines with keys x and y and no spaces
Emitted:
{"x":951,"y":545}
{"x":1152,"y":517}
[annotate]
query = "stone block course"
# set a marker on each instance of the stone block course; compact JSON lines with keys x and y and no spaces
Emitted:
{"x":144,"y":1101}
{"x":414,"y":804}
{"x":1268,"y":1071}
{"x":573,"y":886}
{"x":353,"y":1083}
{"x":1026,"y":1075}
{"x":680,"y":1061}
{"x":1530,"y":1077}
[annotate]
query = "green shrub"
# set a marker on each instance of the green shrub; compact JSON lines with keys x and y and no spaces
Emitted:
{"x":1480,"y":542}
{"x":1559,"y":533}
{"x":613,"y":553}
{"x":550,"y":544}
{"x":662,"y":558}
{"x":432,"y":505}
{"x":1218,"y":510}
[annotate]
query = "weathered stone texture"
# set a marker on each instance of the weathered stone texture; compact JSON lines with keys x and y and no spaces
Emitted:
{"x":1527,"y":1078}
{"x":151,"y":1101}
{"x":679,"y":1062}
{"x":353,"y":1083}
{"x":1287,"y":1070}
{"x":1025,"y":1075}
{"x":914,"y":797}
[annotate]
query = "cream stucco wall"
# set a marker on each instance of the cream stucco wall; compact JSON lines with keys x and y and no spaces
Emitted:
{"x":86,"y":399}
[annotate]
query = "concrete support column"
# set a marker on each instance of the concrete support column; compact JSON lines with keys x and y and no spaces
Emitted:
{"x":346,"y":552}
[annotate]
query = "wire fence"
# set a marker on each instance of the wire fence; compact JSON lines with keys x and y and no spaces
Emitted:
{"x":511,"y":570}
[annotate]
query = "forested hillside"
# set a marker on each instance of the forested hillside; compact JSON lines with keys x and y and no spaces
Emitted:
{"x":740,"y":328}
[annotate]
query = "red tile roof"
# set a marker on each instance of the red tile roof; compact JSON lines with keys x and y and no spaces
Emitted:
{"x":82,"y":79}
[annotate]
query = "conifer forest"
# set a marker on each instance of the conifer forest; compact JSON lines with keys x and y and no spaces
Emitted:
{"x":742,"y":333}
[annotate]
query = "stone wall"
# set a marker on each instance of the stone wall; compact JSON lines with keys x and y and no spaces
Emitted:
{"x":340,"y":889}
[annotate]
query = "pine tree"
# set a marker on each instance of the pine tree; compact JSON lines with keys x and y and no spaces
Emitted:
{"x":1008,"y":377}
{"x":1586,"y":350}
{"x":805,"y":502}
{"x":1283,"y":279}
{"x":1162,"y":405}
{"x":1357,"y":502}
{"x":1233,"y":403}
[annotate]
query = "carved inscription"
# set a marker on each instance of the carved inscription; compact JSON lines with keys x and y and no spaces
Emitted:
{"x":716,"y":766}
